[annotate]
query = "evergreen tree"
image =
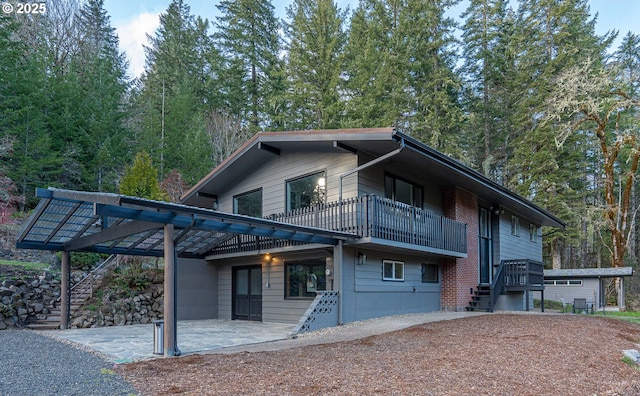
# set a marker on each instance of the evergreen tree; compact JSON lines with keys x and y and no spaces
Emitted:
{"x":248,"y":38}
{"x":314,"y":64}
{"x":103,"y":84}
{"x":372,"y":72}
{"x":552,"y":36}
{"x":25,"y":62}
{"x":488,"y":70}
{"x":400,"y":70}
{"x":141,"y":179}
{"x":175,"y":92}
{"x":627,"y":59}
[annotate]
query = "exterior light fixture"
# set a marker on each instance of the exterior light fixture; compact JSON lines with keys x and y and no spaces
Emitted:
{"x":362,"y":258}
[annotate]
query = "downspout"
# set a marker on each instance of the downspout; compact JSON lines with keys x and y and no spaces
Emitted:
{"x":339,"y":247}
{"x":363,"y":166}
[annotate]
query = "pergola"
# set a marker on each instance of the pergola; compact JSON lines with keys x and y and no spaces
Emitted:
{"x":76,"y":221}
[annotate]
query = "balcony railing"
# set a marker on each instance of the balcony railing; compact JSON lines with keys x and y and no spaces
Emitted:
{"x":368,"y":216}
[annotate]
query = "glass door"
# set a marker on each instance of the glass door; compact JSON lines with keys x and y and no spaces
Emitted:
{"x":484,"y":236}
{"x":247,"y":293}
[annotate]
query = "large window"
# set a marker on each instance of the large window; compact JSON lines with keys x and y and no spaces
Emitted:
{"x":249,"y":203}
{"x":392,"y":270}
{"x":306,"y":191}
{"x":304,"y":278}
{"x":402,"y":191}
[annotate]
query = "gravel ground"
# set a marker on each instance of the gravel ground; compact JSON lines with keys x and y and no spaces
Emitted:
{"x":496,"y":354}
{"x":34,"y":364}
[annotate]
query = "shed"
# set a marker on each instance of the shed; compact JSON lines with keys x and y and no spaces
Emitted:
{"x":589,"y":283}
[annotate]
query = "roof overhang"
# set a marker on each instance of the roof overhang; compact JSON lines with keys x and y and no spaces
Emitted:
{"x":66,"y":220}
{"x":614,"y":272}
{"x":373,"y":142}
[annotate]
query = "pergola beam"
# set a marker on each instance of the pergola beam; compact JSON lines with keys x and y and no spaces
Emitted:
{"x":257,"y":228}
{"x":110,"y":234}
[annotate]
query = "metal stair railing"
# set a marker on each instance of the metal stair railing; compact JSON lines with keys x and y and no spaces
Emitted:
{"x":498,"y":286}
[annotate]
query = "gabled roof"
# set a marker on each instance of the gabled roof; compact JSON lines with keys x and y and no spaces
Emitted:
{"x":589,"y":272}
{"x":375,"y":142}
{"x":66,"y":220}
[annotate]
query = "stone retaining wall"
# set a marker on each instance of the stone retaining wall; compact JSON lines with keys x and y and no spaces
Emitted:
{"x":138,"y":309}
{"x":28,"y":298}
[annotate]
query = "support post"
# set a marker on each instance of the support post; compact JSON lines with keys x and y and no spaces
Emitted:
{"x":621,"y":303}
{"x":65,"y":276}
{"x":337,"y":276}
{"x":170,"y":322}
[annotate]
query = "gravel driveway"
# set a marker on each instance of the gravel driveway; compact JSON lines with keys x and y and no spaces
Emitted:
{"x":34,"y":364}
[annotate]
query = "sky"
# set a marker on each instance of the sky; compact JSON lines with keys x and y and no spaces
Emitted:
{"x":134,"y":19}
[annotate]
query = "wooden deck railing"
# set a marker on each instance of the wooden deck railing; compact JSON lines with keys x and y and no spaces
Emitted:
{"x":524,"y":274}
{"x":516,"y":275}
{"x":367,"y":216}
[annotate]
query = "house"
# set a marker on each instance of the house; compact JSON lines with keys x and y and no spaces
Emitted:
{"x":316,"y":228}
{"x":588,"y":283}
{"x":430,"y":231}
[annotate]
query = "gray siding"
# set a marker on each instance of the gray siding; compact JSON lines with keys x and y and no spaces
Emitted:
{"x":513,"y":247}
{"x":271,"y":177}
{"x":197,"y":297}
{"x":366,"y":295}
{"x":224,"y":290}
{"x":275,"y":308}
{"x":588,"y":290}
{"x":371,"y":181}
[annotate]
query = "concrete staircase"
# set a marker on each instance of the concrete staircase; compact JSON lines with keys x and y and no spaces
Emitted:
{"x":79,"y":294}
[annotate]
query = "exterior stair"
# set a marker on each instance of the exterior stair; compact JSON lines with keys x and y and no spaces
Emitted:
{"x":481,"y":300}
{"x":79,"y":294}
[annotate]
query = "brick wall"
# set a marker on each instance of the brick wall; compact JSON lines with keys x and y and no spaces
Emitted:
{"x":460,"y":276}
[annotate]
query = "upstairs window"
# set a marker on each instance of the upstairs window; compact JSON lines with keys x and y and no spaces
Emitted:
{"x":401,"y":190}
{"x":533,"y":233}
{"x":306,"y":191}
{"x":249,"y":203}
{"x":515,"y":226}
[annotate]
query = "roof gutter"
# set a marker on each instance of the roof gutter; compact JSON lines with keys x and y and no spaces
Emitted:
{"x":342,"y":176}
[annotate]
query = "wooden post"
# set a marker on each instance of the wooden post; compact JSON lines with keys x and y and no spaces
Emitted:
{"x":65,"y":275}
{"x":170,"y":323}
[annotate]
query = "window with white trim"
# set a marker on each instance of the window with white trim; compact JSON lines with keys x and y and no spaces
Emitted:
{"x":563,"y":282}
{"x":533,"y":233}
{"x":392,"y":270}
{"x":515,"y":226}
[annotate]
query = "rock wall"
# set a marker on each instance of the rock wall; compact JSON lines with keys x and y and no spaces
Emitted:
{"x":27,"y":298}
{"x":139,"y":309}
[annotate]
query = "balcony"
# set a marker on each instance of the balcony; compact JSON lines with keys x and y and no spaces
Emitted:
{"x":368,"y":216}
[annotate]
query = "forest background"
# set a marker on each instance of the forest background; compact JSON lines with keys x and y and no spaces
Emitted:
{"x":528,"y":94}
